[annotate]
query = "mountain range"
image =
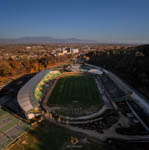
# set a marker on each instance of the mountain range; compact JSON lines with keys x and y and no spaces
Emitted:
{"x":42,"y":40}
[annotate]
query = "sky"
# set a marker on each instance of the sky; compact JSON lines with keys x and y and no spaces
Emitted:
{"x":99,"y":20}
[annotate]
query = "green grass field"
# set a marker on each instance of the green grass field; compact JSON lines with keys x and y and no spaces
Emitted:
{"x":80,"y":90}
{"x":76,"y":91}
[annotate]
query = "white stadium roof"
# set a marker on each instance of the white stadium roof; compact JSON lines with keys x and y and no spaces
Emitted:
{"x":96,"y":71}
{"x":26,"y":95}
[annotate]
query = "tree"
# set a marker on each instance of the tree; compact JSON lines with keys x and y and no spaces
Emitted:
{"x":5,"y":69}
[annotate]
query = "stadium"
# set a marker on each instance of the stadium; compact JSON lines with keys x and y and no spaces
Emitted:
{"x":83,"y":98}
{"x":64,"y":90}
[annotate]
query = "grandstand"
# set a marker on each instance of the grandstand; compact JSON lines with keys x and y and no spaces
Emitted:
{"x":10,"y":128}
{"x":113,"y":90}
{"x":34,"y":90}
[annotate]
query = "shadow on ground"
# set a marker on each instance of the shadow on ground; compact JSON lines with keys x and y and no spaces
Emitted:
{"x":8,"y":94}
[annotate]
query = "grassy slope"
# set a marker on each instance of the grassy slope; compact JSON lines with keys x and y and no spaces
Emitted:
{"x":81,"y":88}
{"x":49,"y":137}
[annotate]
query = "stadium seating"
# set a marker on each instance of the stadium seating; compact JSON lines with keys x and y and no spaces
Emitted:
{"x":30,"y":95}
{"x":114,"y":91}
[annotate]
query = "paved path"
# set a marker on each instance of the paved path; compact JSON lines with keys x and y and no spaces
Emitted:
{"x":108,"y":134}
{"x":97,"y":114}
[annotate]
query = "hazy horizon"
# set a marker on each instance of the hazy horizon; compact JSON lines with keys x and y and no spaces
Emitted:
{"x":101,"y":21}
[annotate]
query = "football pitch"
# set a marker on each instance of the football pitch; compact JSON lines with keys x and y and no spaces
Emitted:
{"x":78,"y":90}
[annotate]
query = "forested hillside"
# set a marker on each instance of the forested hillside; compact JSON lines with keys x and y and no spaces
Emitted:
{"x":131,"y":64}
{"x":12,"y":69}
